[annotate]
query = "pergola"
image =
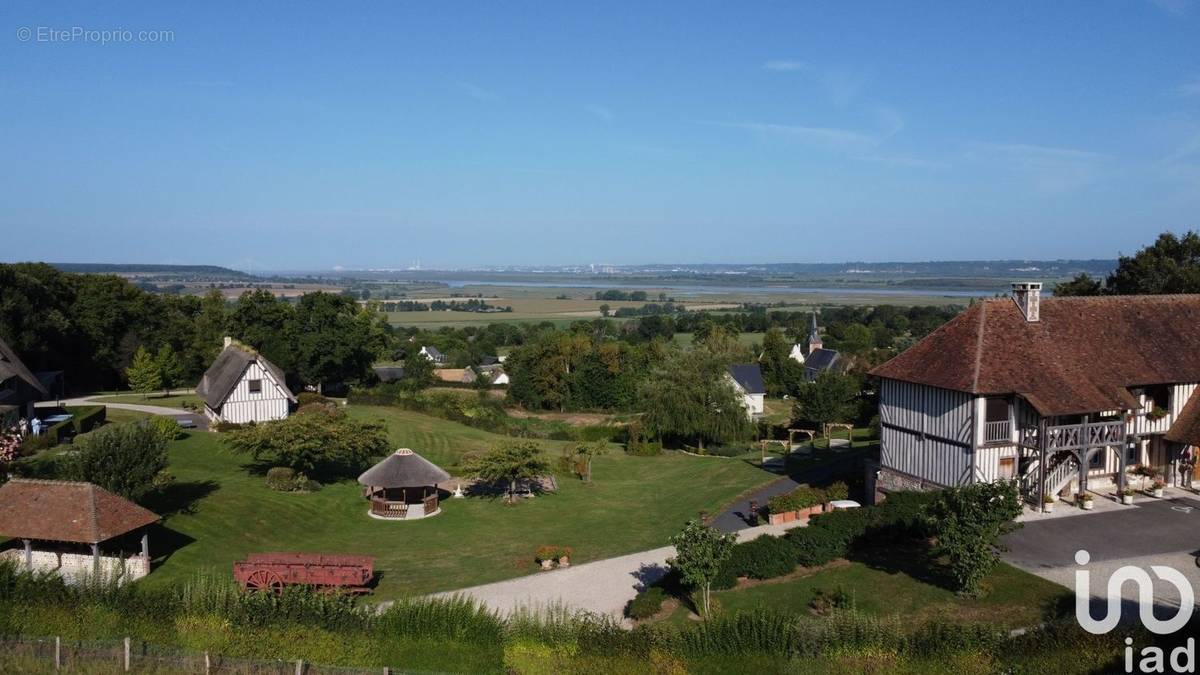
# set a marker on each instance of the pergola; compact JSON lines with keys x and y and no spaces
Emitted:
{"x":71,"y":515}
{"x":403,"y":486}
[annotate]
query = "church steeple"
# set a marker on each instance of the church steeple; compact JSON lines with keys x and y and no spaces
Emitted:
{"x":814,"y":335}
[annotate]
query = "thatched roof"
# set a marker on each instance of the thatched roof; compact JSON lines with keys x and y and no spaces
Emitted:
{"x":54,"y":510}
{"x":10,"y":365}
{"x":402,"y":469}
{"x":226,"y":371}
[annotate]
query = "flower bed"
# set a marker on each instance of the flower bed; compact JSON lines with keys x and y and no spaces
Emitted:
{"x":803,"y":502}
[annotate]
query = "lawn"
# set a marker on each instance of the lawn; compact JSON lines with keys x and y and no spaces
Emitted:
{"x":1014,"y":598}
{"x":153,"y":398}
{"x":220,"y":511}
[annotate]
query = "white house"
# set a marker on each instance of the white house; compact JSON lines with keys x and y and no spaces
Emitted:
{"x":747,"y":380}
{"x":433,"y":354}
{"x":797,"y":353}
{"x":1062,"y":394}
{"x":243,"y":386}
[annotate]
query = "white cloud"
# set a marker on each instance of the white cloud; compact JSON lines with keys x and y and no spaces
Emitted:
{"x":785,"y":66}
{"x":1189,"y":89}
{"x":826,"y":137}
{"x":602,"y":113}
{"x":475,"y":91}
{"x":1176,"y":7}
{"x":1052,"y":169}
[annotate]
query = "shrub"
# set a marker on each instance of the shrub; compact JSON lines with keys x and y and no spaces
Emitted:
{"x":549,"y":552}
{"x":646,"y":604}
{"x":643,"y":448}
{"x":306,"y":397}
{"x":726,"y":450}
{"x":837,"y":491}
{"x":766,"y":557}
{"x":903,"y":515}
{"x":123,"y":458}
{"x":166,"y":428}
{"x":229,"y":426}
{"x":281,"y":478}
{"x":802,"y":497}
{"x":825,"y":602}
{"x":87,"y":417}
{"x":816,"y":546}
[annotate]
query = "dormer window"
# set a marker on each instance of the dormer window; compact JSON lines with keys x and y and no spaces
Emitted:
{"x":1158,"y":397}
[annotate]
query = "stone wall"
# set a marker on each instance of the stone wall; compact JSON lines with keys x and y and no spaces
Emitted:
{"x":77,"y":567}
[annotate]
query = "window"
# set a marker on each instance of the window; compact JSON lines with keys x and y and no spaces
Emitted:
{"x":1158,"y":396}
{"x":255,"y":386}
{"x":1008,"y":468}
{"x":997,"y":410}
{"x":1133,"y":455}
{"x":1096,"y":461}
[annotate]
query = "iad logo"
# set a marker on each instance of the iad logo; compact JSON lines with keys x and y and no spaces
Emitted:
{"x":1145,"y":586}
{"x":1154,"y":659}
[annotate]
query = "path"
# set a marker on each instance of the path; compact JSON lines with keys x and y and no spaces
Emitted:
{"x":199,"y":420}
{"x":604,"y":586}
{"x":736,"y":517}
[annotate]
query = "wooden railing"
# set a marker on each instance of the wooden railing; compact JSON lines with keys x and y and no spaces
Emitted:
{"x":386,"y":509}
{"x":997,"y":432}
{"x":1077,"y":436}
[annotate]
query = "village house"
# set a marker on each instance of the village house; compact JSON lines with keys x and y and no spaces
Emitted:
{"x":813,"y":356}
{"x":1062,"y":394}
{"x":433,"y":354}
{"x":747,"y":381}
{"x":19,"y":388}
{"x":243,"y":386}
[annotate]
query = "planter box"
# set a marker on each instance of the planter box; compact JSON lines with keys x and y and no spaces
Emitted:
{"x":1158,"y":494}
{"x":1048,"y":508}
{"x":790,"y":516}
{"x":1127,"y":500}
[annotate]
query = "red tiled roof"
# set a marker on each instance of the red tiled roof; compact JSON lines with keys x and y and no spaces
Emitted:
{"x":1186,"y":427}
{"x":52,"y":510}
{"x":1081,"y":357}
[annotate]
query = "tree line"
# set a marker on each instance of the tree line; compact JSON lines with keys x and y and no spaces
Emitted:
{"x":92,"y":326}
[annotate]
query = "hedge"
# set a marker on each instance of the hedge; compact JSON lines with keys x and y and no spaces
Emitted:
{"x":88,"y":417}
{"x":802,"y":497}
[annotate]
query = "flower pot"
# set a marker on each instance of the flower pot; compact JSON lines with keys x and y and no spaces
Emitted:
{"x":1158,"y":493}
{"x":564,"y":561}
{"x":1127,"y":500}
{"x":1048,"y":508}
{"x":1088,"y":504}
{"x":775,"y":519}
{"x":547,"y":564}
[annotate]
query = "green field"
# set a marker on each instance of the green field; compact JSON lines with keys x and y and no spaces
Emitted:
{"x":219,"y":511}
{"x":747,"y":339}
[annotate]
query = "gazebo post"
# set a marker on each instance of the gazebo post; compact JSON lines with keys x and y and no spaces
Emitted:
{"x":96,"y":558}
{"x":28,"y":555}
{"x":146,"y":546}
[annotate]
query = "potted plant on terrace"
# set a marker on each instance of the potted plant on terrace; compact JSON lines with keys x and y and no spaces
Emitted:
{"x":1085,"y":502}
{"x":1157,"y":488}
{"x":564,"y":556}
{"x":1048,"y":503}
{"x":1127,"y":496}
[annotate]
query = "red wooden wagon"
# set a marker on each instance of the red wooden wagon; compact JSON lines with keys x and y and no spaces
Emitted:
{"x":273,"y":571}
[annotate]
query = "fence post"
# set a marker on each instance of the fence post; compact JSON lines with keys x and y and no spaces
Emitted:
{"x":387,"y":671}
{"x":299,"y":666}
{"x":207,"y":664}
{"x":127,"y":655}
{"x":57,"y":652}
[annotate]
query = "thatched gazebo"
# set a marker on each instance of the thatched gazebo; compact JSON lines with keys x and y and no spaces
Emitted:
{"x":403,"y":486}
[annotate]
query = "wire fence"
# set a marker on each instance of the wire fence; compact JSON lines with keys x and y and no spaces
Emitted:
{"x":46,"y":655}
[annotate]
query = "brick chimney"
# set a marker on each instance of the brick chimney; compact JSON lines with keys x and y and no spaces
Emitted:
{"x":1028,"y":296}
{"x":228,"y":340}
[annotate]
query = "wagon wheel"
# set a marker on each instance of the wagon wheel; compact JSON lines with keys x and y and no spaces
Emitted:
{"x":264,"y":580}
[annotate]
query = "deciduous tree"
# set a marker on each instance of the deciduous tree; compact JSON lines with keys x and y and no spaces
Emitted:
{"x":699,"y":553}
{"x":318,"y":441}
{"x":968,"y":522}
{"x":510,"y":462}
{"x":124,"y":459}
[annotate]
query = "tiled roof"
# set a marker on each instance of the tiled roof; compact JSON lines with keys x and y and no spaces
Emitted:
{"x":10,"y":365}
{"x":1186,"y":427}
{"x":51,"y":510}
{"x":1081,"y":357}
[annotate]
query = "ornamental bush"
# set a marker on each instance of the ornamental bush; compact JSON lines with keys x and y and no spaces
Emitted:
{"x":281,"y":478}
{"x":646,"y":604}
{"x":766,"y":557}
{"x":802,"y":497}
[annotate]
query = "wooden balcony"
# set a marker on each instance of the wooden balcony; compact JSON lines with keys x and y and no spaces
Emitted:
{"x":997,"y":433}
{"x":1077,"y":436}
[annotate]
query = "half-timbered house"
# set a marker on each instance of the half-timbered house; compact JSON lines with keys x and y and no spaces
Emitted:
{"x":1061,"y":394}
{"x":243,"y":386}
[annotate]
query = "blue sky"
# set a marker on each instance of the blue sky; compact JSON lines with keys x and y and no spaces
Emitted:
{"x":287,"y":136}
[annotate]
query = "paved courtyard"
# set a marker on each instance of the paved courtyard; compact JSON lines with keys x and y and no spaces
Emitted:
{"x":1151,"y":532}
